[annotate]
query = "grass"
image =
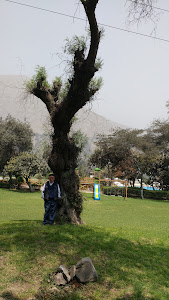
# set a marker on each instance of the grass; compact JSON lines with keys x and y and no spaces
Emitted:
{"x":128,"y":242}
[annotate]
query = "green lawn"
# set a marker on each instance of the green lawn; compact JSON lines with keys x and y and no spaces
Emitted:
{"x":128,"y":242}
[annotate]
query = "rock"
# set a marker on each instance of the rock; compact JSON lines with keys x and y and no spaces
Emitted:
{"x":72,"y":272}
{"x":59,"y":279}
{"x":54,"y":290}
{"x":85,"y":271}
{"x":65,"y":273}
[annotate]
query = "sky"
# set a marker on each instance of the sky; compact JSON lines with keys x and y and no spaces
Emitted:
{"x":135,"y":69}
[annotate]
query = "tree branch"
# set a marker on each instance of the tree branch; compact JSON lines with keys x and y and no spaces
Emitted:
{"x":84,"y":69}
{"x":46,"y":98}
{"x":141,"y":11}
{"x":90,"y":7}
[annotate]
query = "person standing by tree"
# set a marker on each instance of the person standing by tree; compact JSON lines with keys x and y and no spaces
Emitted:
{"x":50,"y":194}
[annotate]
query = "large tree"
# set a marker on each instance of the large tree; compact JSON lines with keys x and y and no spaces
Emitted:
{"x":63,"y":106}
{"x":15,"y":137}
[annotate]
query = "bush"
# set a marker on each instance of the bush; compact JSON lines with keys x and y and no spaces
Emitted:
{"x":38,"y":176}
{"x":136,"y":193}
{"x":4,"y":184}
{"x":113,"y":190}
{"x":20,"y":179}
{"x":159,"y":195}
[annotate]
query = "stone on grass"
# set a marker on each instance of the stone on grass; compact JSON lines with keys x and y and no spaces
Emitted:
{"x":85,"y":270}
{"x":59,"y":279}
{"x":54,"y":290}
{"x":72,"y":272}
{"x":62,"y":269}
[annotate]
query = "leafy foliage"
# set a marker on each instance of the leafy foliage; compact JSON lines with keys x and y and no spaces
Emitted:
{"x":40,"y":76}
{"x":134,"y":153}
{"x":159,"y":133}
{"x":64,"y":90}
{"x":80,"y":139}
{"x":27,"y":164}
{"x":99,"y":63}
{"x":94,"y":86}
{"x":16,"y":137}
{"x":76,"y":43}
{"x":115,"y":151}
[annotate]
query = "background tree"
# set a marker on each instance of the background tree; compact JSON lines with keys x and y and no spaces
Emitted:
{"x":159,"y":133}
{"x":81,"y":87}
{"x":130,"y":154}
{"x":116,"y":152}
{"x":27,"y":164}
{"x":16,"y":137}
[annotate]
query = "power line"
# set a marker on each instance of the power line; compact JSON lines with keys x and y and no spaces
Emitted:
{"x":44,"y":9}
{"x":135,"y":32}
{"x":82,"y":19}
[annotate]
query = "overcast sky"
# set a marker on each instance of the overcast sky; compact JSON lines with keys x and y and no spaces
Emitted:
{"x":135,"y":71}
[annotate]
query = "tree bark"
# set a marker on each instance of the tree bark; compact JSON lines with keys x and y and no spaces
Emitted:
{"x":142,"y":195}
{"x":63,"y":161}
{"x":29,"y":184}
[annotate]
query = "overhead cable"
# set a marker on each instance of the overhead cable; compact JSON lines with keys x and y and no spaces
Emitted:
{"x":82,"y":19}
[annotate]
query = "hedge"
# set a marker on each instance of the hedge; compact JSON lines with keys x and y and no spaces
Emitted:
{"x":136,"y":193}
{"x":4,"y":184}
{"x":112,"y":190}
{"x":159,"y":195}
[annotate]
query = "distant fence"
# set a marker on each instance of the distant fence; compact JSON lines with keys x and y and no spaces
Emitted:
{"x":87,"y":183}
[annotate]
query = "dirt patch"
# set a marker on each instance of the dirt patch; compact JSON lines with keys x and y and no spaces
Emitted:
{"x":18,"y":291}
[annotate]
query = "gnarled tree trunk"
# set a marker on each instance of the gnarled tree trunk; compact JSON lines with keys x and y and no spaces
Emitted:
{"x":63,"y":160}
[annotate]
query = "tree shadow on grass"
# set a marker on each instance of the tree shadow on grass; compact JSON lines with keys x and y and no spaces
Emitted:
{"x":9,"y":296}
{"x":121,"y":264}
{"x":23,"y":191}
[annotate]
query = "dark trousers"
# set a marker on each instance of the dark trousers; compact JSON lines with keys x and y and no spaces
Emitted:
{"x":50,"y":211}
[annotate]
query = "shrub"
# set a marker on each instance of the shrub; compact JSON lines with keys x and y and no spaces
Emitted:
{"x":136,"y":193}
{"x":20,"y":179}
{"x":4,"y":184}
{"x":38,"y":176}
{"x":113,"y":190}
{"x":159,"y":195}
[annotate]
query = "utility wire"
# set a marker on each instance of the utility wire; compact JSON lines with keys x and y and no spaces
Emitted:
{"x":82,"y":19}
{"x":44,"y":9}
